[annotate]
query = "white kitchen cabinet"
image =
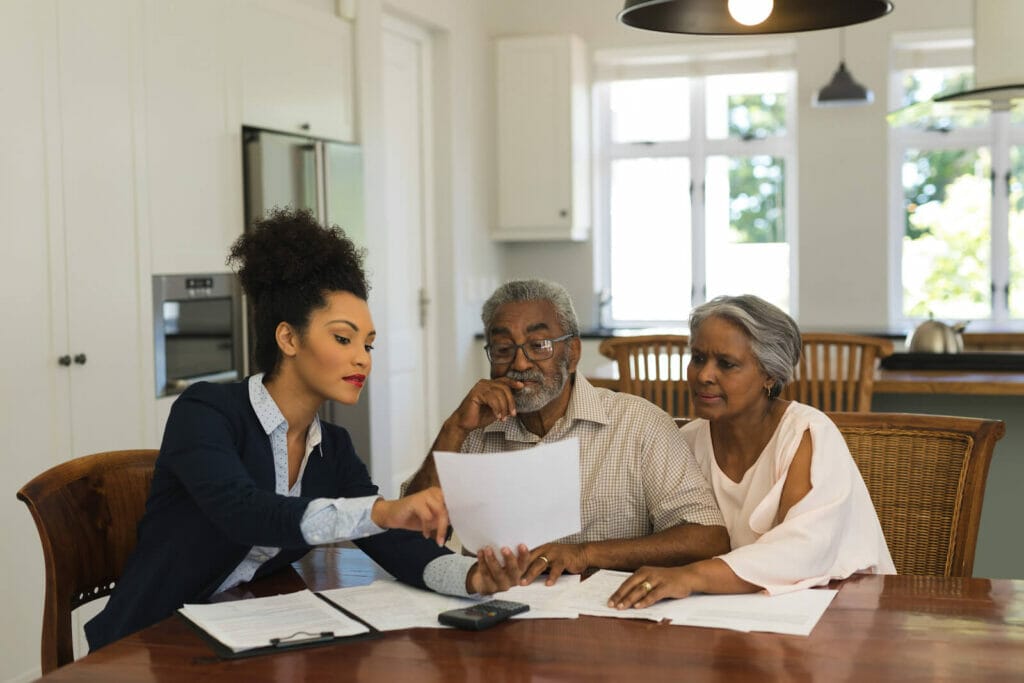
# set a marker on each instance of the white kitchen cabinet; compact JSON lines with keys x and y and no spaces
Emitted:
{"x":543,"y":139}
{"x":296,"y":70}
{"x":193,"y":129}
{"x":101,"y":322}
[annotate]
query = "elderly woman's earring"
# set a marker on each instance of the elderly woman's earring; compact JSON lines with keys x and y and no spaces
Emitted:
{"x":773,"y":391}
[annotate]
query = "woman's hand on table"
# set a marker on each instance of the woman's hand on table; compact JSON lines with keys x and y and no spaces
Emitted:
{"x":488,"y":575}
{"x":648,"y":585}
{"x":424,"y":511}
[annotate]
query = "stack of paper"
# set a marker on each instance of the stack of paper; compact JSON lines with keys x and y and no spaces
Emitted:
{"x":390,"y":606}
{"x":792,"y":613}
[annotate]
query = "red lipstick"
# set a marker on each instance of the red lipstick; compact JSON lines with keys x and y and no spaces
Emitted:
{"x":358,"y":380}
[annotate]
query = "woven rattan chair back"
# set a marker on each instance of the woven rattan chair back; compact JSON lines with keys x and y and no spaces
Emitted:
{"x":652,"y":366}
{"x":836,"y":372}
{"x":926,"y":476}
{"x":86,"y":511}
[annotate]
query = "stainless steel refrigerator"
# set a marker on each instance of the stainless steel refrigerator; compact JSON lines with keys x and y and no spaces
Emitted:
{"x":325,"y":177}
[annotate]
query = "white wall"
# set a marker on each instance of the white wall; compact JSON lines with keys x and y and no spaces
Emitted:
{"x":842,"y":155}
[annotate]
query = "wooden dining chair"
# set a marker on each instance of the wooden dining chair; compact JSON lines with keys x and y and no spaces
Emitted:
{"x":652,"y":366}
{"x":926,"y":475}
{"x":837,"y":371}
{"x":86,"y":511}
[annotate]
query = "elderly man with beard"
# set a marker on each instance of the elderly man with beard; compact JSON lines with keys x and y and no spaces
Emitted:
{"x":643,"y":499}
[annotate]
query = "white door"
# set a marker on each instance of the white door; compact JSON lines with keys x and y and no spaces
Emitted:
{"x":98,"y":161}
{"x":406,"y":330}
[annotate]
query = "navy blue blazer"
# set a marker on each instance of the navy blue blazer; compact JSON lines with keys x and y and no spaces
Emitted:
{"x":212,"y":499}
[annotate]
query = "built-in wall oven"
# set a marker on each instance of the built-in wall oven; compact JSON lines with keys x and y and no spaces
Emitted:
{"x":198,"y":333}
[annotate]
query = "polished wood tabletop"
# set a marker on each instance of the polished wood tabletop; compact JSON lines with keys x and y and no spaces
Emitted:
{"x":878,"y":628}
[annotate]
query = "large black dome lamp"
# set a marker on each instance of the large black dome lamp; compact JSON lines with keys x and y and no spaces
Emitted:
{"x":724,"y":17}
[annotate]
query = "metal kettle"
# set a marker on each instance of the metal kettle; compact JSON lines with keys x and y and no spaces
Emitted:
{"x":933,"y":336}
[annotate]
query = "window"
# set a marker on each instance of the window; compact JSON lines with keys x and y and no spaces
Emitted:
{"x":958,"y":206}
{"x":695,"y":176}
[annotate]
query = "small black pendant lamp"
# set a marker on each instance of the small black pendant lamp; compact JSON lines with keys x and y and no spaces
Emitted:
{"x":738,"y":17}
{"x":842,"y":90}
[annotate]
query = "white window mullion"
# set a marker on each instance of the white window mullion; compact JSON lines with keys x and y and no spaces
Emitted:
{"x":1000,"y":217}
{"x":897,"y":152}
{"x":640,"y":150}
{"x":602,"y":210}
{"x":698,"y":116}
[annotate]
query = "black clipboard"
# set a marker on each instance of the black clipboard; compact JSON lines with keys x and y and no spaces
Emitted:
{"x":286,"y":643}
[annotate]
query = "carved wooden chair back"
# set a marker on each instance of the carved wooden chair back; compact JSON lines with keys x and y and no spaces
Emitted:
{"x":86,"y":511}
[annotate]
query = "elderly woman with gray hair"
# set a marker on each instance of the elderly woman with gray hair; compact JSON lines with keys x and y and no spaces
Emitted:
{"x":795,"y":505}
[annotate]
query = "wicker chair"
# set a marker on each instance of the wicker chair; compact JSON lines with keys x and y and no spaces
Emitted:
{"x":837,"y":371}
{"x":86,"y":511}
{"x":926,"y":476}
{"x":652,"y":366}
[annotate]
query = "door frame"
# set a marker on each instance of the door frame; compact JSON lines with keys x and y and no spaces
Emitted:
{"x":425,"y":40}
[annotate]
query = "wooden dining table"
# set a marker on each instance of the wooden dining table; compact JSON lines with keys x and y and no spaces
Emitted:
{"x":878,"y":628}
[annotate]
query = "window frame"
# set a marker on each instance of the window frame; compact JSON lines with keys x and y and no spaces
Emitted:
{"x":697,"y":150}
{"x":997,"y":135}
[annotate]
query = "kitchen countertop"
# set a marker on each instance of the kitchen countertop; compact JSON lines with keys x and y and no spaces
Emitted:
{"x":605,"y":332}
{"x":964,"y":382}
{"x":950,"y":382}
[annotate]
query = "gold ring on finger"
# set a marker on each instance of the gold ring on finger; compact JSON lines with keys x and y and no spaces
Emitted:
{"x":646,"y":585}
{"x":544,"y":559}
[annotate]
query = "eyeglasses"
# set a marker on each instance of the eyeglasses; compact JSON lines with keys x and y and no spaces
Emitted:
{"x":534,"y":350}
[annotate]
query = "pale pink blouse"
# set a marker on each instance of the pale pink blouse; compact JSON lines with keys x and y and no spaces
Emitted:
{"x":831,"y":533}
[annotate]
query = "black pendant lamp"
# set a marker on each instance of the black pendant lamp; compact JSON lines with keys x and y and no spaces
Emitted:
{"x":739,"y":17}
{"x":842,"y":90}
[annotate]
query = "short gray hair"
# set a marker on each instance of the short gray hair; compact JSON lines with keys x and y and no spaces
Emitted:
{"x":533,"y":290}
{"x":774,"y":336}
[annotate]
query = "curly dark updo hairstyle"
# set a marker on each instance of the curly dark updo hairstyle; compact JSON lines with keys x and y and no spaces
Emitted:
{"x":287,"y":264}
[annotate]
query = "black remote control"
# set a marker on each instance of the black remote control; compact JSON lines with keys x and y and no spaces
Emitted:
{"x":483,"y":615}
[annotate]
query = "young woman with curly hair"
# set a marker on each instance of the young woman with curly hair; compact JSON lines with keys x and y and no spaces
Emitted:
{"x":249,"y":478}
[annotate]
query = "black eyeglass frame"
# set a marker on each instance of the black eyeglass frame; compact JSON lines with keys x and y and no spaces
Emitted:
{"x":517,"y":347}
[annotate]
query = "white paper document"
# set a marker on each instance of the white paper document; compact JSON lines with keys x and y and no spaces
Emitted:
{"x":504,"y":499}
{"x":591,"y":597}
{"x":249,"y":624}
{"x":792,"y":613}
{"x":390,"y":606}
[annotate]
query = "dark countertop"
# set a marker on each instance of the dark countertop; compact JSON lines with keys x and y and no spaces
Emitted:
{"x":604,"y":332}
